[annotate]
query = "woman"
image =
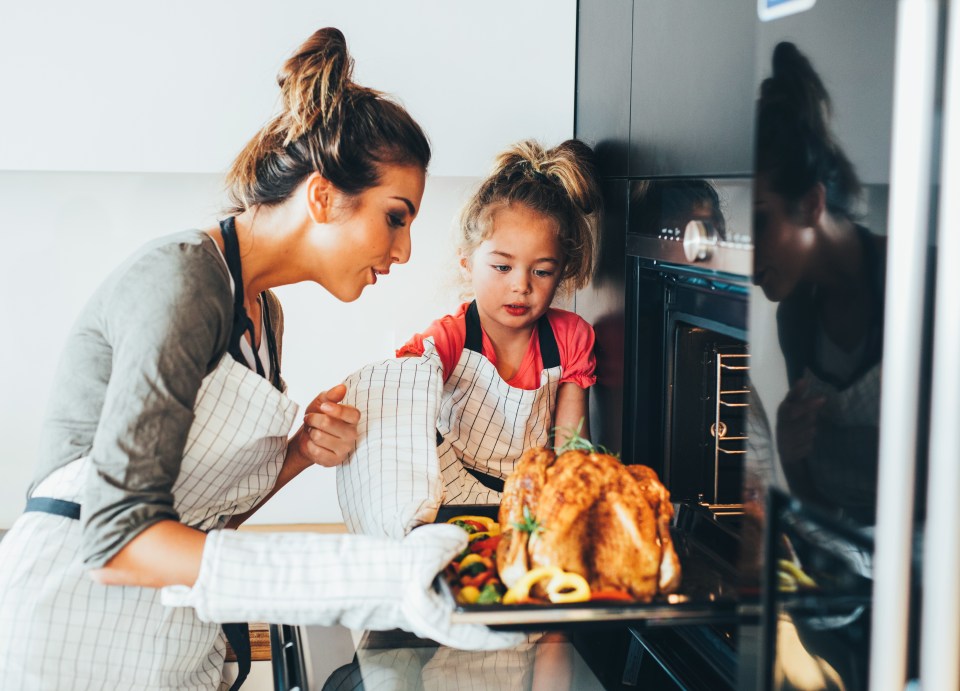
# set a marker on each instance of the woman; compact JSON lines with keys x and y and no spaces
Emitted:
{"x":169,"y":418}
{"x":826,"y":271}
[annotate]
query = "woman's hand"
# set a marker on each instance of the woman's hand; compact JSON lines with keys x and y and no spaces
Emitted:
{"x":329,"y":431}
{"x":797,"y":423}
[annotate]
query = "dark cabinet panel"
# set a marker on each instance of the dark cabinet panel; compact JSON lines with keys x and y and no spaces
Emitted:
{"x":603,"y":81}
{"x":692,"y":88}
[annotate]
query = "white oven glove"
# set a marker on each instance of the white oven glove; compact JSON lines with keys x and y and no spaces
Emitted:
{"x":358,"y":581}
{"x":391,"y":482}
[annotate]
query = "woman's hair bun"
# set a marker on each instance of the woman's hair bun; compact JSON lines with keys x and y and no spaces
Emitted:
{"x":314,"y":80}
{"x":795,"y":145}
{"x":328,"y":124}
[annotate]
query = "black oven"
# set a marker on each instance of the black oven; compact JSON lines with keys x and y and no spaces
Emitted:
{"x":686,"y":395}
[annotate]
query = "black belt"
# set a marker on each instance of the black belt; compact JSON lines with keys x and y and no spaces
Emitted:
{"x":237,"y":634}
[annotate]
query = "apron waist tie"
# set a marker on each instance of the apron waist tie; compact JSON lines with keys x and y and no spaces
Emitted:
{"x":238,"y":635}
{"x":58,"y":507}
{"x":488,"y":481}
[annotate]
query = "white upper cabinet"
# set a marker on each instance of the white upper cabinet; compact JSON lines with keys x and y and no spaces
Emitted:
{"x":180,"y":86}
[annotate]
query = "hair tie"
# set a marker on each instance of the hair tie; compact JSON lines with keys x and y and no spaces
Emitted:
{"x":540,"y":177}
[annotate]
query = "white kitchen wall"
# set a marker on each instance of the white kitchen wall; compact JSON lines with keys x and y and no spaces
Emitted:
{"x":179,"y":85}
{"x":63,"y":232}
{"x":118,"y":122}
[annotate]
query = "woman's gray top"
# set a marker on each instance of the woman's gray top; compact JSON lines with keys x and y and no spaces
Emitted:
{"x":128,"y":379}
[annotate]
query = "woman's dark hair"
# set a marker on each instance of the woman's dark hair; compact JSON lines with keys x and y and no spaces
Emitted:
{"x":795,"y":147}
{"x":327,"y":124}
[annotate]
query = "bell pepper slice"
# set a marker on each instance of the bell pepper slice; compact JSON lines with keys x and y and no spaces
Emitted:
{"x":568,"y":587}
{"x":490,"y":594}
{"x":469,"y":559}
{"x":489,"y":525}
{"x":489,"y":542}
{"x":468,"y":594}
{"x":477,"y":580}
{"x":521,"y":589}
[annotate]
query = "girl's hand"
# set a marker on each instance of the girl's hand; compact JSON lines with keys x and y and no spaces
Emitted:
{"x":329,"y":428}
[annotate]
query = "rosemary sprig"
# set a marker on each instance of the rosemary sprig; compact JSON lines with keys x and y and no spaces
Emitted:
{"x":575,"y":442}
{"x":529,"y":524}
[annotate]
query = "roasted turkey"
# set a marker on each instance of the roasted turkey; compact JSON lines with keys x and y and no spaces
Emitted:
{"x":588,"y":513}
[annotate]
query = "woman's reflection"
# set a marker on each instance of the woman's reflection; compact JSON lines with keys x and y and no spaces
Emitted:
{"x":826,"y":271}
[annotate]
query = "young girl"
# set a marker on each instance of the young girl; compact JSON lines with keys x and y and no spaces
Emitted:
{"x":515,"y":368}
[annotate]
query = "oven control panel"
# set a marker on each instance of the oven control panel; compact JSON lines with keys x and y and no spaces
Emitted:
{"x":697,"y":223}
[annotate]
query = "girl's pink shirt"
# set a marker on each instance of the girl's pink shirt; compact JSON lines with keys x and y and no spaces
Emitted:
{"x":574,"y":336}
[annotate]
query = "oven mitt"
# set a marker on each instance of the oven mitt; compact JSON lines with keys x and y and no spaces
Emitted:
{"x":359,"y":581}
{"x":391,"y":482}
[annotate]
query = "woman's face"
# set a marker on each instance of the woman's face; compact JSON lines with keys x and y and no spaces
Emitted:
{"x":371,"y":232}
{"x":516,"y":270}
{"x":784,"y":244}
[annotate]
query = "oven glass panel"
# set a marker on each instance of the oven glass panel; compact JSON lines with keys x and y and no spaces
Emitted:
{"x":821,"y":178}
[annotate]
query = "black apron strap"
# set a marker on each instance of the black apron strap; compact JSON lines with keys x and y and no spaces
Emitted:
{"x":474,"y":340}
{"x":242,"y":324}
{"x":549,"y":352}
{"x":57,"y":507}
{"x":238,"y":635}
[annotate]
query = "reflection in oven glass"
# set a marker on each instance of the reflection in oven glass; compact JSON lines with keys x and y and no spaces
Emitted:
{"x":825,"y":271}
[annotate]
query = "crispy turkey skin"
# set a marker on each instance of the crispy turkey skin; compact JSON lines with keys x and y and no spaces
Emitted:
{"x":592,"y":515}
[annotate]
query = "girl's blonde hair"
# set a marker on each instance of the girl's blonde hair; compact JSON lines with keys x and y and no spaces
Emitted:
{"x":328,"y":124}
{"x":560,"y":183}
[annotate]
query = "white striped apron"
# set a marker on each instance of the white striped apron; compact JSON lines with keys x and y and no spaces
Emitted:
{"x":485,"y":425}
{"x":59,"y":630}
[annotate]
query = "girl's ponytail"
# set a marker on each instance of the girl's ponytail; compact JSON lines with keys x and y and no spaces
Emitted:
{"x":560,"y":183}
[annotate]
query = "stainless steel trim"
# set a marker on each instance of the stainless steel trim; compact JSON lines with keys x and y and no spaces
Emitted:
{"x":940,"y":617}
{"x":725,"y":257}
{"x":909,"y":203}
{"x":665,"y":615}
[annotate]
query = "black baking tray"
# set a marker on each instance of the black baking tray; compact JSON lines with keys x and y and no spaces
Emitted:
{"x":708,"y":593}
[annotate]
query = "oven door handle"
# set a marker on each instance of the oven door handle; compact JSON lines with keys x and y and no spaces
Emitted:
{"x":911,"y":150}
{"x":940,"y":632}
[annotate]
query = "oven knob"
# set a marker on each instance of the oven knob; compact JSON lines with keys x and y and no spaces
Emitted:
{"x":699,"y":239}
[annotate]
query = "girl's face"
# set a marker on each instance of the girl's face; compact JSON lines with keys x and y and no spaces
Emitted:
{"x":364,"y":240}
{"x":785,"y":245}
{"x":516,"y":270}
